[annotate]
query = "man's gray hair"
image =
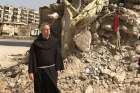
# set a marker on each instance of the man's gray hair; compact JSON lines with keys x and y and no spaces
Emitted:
{"x":42,"y":25}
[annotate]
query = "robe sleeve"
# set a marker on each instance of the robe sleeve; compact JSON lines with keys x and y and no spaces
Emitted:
{"x":31,"y":60}
{"x":59,"y":60}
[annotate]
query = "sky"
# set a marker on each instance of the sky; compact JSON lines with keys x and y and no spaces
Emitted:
{"x":33,"y":4}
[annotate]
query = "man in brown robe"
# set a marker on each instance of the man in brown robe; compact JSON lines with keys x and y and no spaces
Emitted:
{"x":45,"y":62}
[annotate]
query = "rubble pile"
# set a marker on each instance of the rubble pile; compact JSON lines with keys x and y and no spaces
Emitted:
{"x":15,"y":79}
{"x":102,"y":70}
{"x":101,"y":67}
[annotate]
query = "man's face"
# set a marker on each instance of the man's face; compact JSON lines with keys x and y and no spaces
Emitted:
{"x":46,"y":31}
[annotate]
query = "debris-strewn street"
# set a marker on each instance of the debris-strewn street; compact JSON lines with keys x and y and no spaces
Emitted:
{"x":7,"y":53}
{"x":11,"y":69}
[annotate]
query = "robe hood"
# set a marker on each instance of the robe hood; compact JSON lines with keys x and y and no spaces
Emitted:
{"x":45,"y":43}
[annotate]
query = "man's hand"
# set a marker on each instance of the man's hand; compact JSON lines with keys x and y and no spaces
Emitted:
{"x":31,"y":76}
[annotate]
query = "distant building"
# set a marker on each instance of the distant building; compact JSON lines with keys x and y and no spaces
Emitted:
{"x":24,"y":15}
{"x":18,"y":20}
{"x":36,"y":17}
{"x":1,"y":13}
{"x":31,"y":16}
{"x":7,"y":14}
{"x":16,"y":15}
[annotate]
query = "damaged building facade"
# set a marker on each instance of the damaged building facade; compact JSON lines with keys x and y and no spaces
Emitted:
{"x":18,"y":20}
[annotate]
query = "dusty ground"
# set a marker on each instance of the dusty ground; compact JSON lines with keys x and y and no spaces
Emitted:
{"x":7,"y":51}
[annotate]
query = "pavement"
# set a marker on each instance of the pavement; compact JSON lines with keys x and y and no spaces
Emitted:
{"x":10,"y":47}
{"x":13,"y":42}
